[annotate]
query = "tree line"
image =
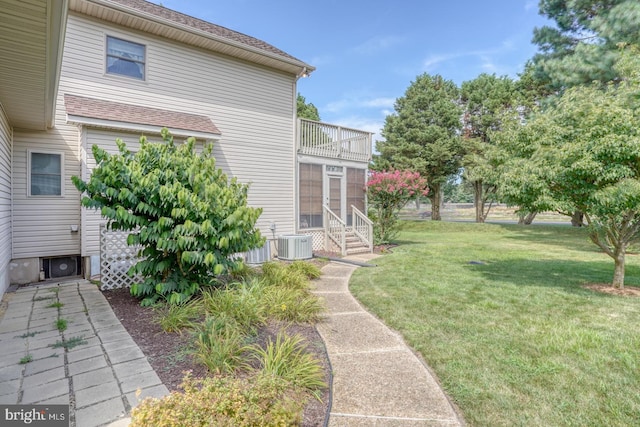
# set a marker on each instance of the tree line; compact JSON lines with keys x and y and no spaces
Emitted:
{"x":561,"y":137}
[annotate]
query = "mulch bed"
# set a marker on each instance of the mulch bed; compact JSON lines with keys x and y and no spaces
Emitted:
{"x":627,"y":291}
{"x":168,"y":352}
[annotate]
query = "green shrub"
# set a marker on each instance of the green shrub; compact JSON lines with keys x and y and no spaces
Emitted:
{"x":311,"y":271}
{"x":288,"y":359}
{"x":187,"y":215}
{"x":220,"y":343}
{"x":174,"y":318}
{"x":224,"y":402}
{"x":238,"y":301}
{"x":280,"y":274}
{"x":292,"y":305}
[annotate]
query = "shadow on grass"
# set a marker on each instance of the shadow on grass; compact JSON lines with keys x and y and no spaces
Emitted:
{"x":568,"y":275}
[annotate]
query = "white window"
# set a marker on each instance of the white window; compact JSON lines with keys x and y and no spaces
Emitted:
{"x":125,"y":58}
{"x":45,"y":174}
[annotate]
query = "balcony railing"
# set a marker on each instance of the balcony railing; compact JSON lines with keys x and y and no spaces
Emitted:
{"x":325,"y":140}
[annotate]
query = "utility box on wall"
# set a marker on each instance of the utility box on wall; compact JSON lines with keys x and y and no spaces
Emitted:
{"x":295,"y":246}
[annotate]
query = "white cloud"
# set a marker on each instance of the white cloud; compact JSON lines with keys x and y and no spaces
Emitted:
{"x":434,"y":60}
{"x":362,"y":123}
{"x":350,"y":102}
{"x":486,"y":57}
{"x":530,"y":5}
{"x":376,"y":44}
{"x":379,"y":102}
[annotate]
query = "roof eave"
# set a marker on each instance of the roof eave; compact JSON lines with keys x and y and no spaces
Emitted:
{"x":137,"y":127}
{"x":56,"y":30}
{"x":283,"y":63}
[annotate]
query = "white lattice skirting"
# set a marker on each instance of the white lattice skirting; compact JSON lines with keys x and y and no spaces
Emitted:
{"x":317,"y":237}
{"x":116,"y":257}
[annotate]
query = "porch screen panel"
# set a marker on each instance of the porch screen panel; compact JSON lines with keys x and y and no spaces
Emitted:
{"x":355,"y":191}
{"x":310,"y":195}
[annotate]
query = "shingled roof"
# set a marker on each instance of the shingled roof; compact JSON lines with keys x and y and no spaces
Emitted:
{"x":79,"y":106}
{"x":159,"y":20}
{"x":181,"y":18}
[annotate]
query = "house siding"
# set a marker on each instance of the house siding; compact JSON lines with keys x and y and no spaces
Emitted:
{"x":252,"y":106}
{"x":91,"y":218}
{"x":42,"y":224}
{"x":5,"y":200}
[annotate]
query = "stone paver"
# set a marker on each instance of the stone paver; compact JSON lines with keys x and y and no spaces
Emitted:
{"x":377,"y":379}
{"x":100,"y":413}
{"x":99,"y":377}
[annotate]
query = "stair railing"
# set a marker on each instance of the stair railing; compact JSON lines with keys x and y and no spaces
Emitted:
{"x":362,"y":227}
{"x":335,"y":230}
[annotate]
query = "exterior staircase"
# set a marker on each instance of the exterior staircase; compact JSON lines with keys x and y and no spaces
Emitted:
{"x":355,"y":245}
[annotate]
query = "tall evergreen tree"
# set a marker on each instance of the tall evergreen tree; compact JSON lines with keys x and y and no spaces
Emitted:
{"x":306,"y":111}
{"x":423,"y":134}
{"x":583,"y":45}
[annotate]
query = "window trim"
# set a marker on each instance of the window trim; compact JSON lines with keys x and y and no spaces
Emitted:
{"x":29,"y":171}
{"x":107,"y":56}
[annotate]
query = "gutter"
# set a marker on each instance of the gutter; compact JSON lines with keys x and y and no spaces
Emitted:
{"x":204,"y":34}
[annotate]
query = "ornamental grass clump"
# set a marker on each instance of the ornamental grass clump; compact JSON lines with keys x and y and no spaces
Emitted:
{"x":220,"y":344}
{"x":286,"y":358}
{"x":185,"y":213}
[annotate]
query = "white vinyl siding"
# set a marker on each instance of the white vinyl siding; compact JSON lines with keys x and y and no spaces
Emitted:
{"x":5,"y":200}
{"x":253,"y":106}
{"x":91,"y":218}
{"x":42,"y":225}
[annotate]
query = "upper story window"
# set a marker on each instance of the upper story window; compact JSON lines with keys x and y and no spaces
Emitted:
{"x":125,"y":58}
{"x":45,"y":174}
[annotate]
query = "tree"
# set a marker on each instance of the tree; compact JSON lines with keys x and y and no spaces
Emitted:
{"x":186,"y":214}
{"x":583,"y":46}
{"x":485,"y":99}
{"x":583,"y":153}
{"x":387,"y":193}
{"x":423,"y":134}
{"x":306,"y":111}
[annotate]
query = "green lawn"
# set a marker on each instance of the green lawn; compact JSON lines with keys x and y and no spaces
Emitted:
{"x":515,"y":341}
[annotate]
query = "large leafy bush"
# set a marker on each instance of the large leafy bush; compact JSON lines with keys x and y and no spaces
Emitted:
{"x":187,"y":215}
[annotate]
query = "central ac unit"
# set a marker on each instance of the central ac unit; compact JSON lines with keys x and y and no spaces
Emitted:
{"x":259,"y":255}
{"x":61,"y":267}
{"x":295,"y":246}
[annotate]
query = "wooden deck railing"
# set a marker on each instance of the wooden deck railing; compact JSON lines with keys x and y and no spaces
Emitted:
{"x":325,"y":140}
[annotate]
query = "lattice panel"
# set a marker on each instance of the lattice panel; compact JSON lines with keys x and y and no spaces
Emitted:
{"x":116,"y":257}
{"x":317,"y":239}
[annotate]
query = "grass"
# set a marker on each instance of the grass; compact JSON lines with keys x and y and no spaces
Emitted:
{"x":26,"y":359}
{"x":226,"y":320}
{"x":220,"y":345}
{"x":500,"y":314}
{"x":286,"y":358}
{"x":61,"y":324}
{"x":56,"y":304}
{"x":70,"y":343}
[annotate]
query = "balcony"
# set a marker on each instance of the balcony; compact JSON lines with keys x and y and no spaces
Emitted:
{"x":336,"y":142}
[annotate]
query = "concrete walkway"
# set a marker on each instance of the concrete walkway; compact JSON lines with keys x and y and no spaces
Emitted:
{"x":99,"y":371}
{"x":377,"y":379}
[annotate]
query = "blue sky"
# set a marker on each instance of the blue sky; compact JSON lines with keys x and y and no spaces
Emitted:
{"x":367,"y":53}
